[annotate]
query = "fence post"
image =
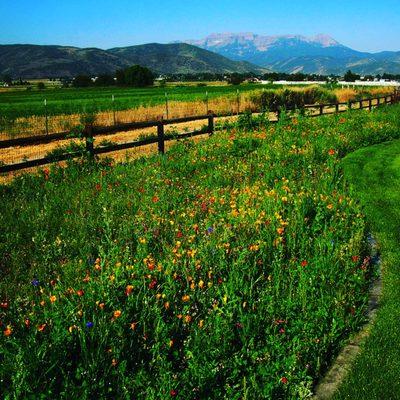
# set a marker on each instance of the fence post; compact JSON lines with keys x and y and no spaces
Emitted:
{"x":47,"y":117}
{"x":88,"y":133}
{"x":278,"y":113}
{"x":113,"y":107}
{"x":361,"y":104}
{"x":370,"y":104}
{"x":210,"y":124}
{"x":349,"y":105}
{"x":321,"y":109}
{"x":337,"y":107}
{"x":238,"y":102}
{"x":160,"y":136}
{"x":206,"y":102}
{"x":166,"y":105}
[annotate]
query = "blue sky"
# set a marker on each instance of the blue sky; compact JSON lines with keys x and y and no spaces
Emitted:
{"x":363,"y":25}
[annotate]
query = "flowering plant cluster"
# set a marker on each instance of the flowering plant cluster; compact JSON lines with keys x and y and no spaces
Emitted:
{"x":230,"y":268}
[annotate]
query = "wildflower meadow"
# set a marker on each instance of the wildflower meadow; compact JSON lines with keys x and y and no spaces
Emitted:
{"x":234,"y":267}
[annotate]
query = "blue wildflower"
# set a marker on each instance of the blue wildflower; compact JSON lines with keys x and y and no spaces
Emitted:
{"x":89,"y":324}
{"x":35,"y":282}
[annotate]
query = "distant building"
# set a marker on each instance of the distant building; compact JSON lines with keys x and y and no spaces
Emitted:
{"x":253,"y":80}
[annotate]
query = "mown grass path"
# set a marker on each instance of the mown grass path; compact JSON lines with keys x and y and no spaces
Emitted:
{"x":375,"y":175}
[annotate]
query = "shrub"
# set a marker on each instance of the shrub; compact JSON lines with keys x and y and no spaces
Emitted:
{"x":292,"y":98}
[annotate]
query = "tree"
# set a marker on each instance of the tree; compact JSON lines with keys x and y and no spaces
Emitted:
{"x":120,"y":75}
{"x":104,"y":80}
{"x":350,"y":77}
{"x":235,"y":79}
{"x":82,"y":81}
{"x":136,"y":76}
{"x":7,"y":79}
{"x":41,"y":86}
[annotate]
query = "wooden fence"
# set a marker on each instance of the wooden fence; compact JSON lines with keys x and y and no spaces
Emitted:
{"x":90,"y":132}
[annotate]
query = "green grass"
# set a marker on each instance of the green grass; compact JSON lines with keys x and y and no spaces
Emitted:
{"x":16,"y":104}
{"x":375,"y":175}
{"x":231,"y":268}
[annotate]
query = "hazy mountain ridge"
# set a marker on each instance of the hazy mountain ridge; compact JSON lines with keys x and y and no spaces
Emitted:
{"x":296,"y":53}
{"x":36,"y":61}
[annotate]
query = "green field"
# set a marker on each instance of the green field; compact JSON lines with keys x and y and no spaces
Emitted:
{"x":232,"y":268}
{"x":14,"y":104}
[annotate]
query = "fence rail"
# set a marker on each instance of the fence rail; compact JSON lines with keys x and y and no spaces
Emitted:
{"x":91,"y":131}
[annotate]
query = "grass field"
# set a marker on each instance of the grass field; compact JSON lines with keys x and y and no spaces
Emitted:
{"x":79,"y":100}
{"x":232,"y":268}
{"x":23,"y":112}
{"x":375,"y":174}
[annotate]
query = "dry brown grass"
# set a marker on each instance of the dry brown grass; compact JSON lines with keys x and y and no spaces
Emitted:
{"x":347,"y":94}
{"x":17,"y":154}
{"x":35,"y":125}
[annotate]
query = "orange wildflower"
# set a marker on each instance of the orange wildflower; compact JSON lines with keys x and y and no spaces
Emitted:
{"x":8,"y":331}
{"x":133,"y":325}
{"x":117,"y":313}
{"x":128,"y":290}
{"x":280,"y":230}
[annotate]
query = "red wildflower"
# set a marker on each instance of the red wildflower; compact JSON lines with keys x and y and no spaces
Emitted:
{"x":46,"y":173}
{"x":80,"y":292}
{"x":284,"y":380}
{"x":173,"y":392}
{"x":153,"y":284}
{"x":128,"y":290}
{"x":304,"y":263}
{"x":4,"y":305}
{"x":355,"y":258}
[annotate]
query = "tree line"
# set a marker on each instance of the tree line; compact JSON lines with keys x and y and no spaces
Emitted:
{"x":135,"y":76}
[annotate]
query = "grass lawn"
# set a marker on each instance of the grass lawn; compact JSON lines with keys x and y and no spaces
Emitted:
{"x":375,"y":175}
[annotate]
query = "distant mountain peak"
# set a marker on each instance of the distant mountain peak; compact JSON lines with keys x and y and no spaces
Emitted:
{"x":260,"y":42}
{"x":292,"y":53}
{"x":325,"y":40}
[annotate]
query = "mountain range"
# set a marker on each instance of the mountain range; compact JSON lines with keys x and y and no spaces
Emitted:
{"x":217,"y":53}
{"x":319,"y":54}
{"x":35,"y":61}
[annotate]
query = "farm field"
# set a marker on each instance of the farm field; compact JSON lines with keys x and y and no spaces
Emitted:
{"x":235,"y":267}
{"x":23,"y":113}
{"x":79,"y":100}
